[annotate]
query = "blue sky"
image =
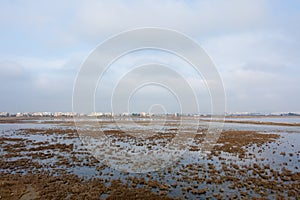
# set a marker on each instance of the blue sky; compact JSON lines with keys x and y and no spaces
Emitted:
{"x":255,"y":45}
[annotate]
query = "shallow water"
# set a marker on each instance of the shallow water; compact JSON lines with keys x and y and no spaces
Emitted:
{"x":263,"y":119}
{"x":80,"y":162}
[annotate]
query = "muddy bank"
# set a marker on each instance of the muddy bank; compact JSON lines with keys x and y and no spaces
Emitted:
{"x":51,"y":163}
{"x":43,"y":186}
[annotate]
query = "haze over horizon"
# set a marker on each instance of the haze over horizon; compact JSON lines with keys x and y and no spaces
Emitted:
{"x":255,"y":45}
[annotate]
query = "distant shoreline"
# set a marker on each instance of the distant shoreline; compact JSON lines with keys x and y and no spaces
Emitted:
{"x":5,"y":120}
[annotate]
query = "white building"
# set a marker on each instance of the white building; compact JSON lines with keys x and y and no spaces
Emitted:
{"x":58,"y":114}
{"x":4,"y":114}
{"x":70,"y":114}
{"x":108,"y":114}
{"x":36,"y":114}
{"x":19,"y":114}
{"x":96,"y":114}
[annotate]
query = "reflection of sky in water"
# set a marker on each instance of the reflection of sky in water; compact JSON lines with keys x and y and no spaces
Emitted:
{"x":260,"y":128}
{"x":263,"y":119}
{"x":16,"y":126}
{"x":289,"y":143}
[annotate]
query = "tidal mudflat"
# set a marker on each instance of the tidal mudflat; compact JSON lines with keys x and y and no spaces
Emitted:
{"x":45,"y":159}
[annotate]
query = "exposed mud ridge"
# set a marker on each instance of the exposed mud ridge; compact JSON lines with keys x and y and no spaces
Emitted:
{"x":234,"y":141}
{"x":40,"y":186}
{"x":49,"y":131}
{"x":138,"y":138}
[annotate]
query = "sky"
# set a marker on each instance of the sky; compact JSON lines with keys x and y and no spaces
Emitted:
{"x":254,"y":44}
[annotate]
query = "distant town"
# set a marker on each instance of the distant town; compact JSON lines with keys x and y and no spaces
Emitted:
{"x":141,"y":114}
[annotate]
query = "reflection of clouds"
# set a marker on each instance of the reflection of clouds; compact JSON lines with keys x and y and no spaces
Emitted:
{"x":122,"y":145}
{"x":145,"y":153}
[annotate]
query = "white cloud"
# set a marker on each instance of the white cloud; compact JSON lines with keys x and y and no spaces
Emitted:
{"x":98,"y":19}
{"x":10,"y":70}
{"x":255,"y":47}
{"x":71,"y":22}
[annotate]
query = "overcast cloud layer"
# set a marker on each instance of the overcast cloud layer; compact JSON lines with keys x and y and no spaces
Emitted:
{"x":255,"y":45}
